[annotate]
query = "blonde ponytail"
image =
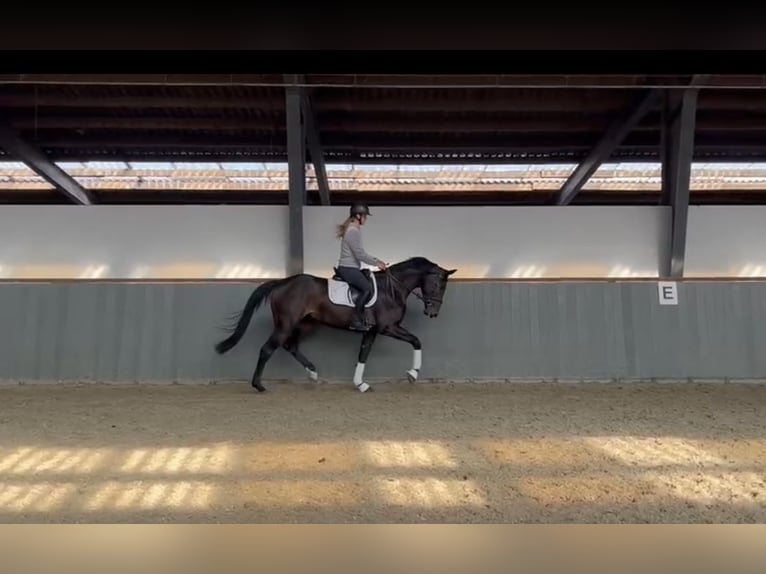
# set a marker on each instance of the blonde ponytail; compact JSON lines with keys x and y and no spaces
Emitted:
{"x":340,"y":230}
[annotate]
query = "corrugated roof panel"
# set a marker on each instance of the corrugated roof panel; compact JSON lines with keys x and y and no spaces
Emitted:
{"x":67,"y":165}
{"x":211,"y":175}
{"x":197,"y":165}
{"x":32,"y":178}
{"x":512,"y":167}
{"x":14,"y":165}
{"x":105,"y":165}
{"x":241,"y":166}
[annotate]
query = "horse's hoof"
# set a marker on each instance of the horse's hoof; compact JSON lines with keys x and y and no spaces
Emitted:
{"x":313,"y":375}
{"x":412,"y":375}
{"x":363,"y":387}
{"x":260,"y":388}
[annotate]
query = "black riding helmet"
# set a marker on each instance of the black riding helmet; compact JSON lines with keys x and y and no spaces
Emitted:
{"x":359,"y":209}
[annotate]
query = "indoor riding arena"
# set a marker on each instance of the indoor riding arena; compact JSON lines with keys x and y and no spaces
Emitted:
{"x":599,"y":354}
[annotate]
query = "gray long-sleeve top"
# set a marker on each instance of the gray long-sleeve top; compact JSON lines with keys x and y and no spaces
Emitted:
{"x":352,"y":253}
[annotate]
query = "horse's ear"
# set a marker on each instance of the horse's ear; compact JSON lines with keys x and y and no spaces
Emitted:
{"x":451,"y":271}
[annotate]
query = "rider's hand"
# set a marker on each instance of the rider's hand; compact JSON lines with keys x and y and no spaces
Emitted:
{"x":382,"y":266}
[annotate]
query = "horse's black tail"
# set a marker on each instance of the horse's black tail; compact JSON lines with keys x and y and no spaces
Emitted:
{"x":256,"y":299}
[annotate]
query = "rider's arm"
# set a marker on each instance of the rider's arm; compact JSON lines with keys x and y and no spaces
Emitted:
{"x":354,"y":241}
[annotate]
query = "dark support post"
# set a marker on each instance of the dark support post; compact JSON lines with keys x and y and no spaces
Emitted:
{"x":12,"y":143}
{"x":665,"y":148}
{"x":613,"y":137}
{"x":677,"y":175}
{"x":315,"y":148}
{"x":668,"y":142}
{"x":296,"y":167}
{"x":311,"y":131}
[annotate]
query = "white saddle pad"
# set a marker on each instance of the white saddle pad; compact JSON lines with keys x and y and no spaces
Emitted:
{"x":340,"y":292}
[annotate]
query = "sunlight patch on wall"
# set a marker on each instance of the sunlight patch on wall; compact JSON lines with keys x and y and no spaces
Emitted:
{"x":94,"y":271}
{"x":139,"y":272}
{"x":527,"y":271}
{"x":49,"y":271}
{"x":578,"y":270}
{"x":245,"y":271}
{"x":180,"y":269}
{"x":625,"y":271}
{"x":752,"y":271}
{"x":466,"y":270}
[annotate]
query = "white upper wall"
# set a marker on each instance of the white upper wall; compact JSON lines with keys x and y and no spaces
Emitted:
{"x":726,"y":241}
{"x":142,"y":242}
{"x":502,"y":242}
{"x":209,"y":242}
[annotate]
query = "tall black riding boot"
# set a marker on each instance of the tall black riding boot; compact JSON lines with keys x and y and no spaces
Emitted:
{"x":359,"y":322}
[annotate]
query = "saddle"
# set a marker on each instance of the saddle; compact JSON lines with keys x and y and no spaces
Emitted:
{"x":341,"y":293}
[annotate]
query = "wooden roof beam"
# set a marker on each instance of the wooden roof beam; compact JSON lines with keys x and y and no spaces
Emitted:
{"x":42,"y":166}
{"x":314,"y":143}
{"x":613,"y":137}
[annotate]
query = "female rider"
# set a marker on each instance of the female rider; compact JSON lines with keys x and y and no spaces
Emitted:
{"x":352,"y":255}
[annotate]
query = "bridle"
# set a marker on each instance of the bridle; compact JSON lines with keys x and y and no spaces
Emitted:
{"x":425,"y":298}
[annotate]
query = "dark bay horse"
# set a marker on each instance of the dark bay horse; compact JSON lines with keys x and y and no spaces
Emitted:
{"x":300,"y":303}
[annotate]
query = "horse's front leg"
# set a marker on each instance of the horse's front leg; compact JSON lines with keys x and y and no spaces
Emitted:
{"x":400,"y":333}
{"x":364,"y":351}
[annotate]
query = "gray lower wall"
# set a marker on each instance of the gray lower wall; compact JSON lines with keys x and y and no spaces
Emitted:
{"x":125,"y":332}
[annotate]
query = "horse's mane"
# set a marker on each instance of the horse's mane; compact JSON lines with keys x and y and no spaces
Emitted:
{"x":418,"y":263}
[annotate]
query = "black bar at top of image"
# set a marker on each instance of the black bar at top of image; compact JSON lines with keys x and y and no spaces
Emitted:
{"x":490,"y":62}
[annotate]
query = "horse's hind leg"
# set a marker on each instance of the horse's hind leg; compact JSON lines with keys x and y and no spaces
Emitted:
{"x":276,"y":340}
{"x":287,"y":310}
{"x":291,"y":346}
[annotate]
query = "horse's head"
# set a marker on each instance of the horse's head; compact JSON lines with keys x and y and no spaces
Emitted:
{"x":433,"y":286}
{"x":430,"y":278}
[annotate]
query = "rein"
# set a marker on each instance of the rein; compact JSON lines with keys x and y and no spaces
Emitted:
{"x":424,"y":298}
